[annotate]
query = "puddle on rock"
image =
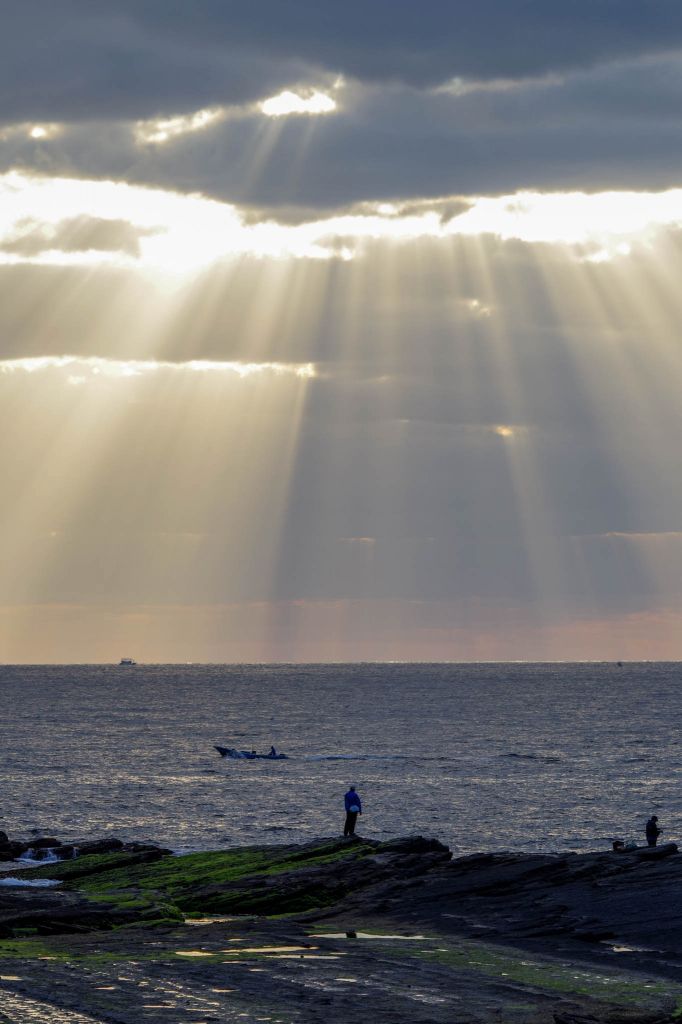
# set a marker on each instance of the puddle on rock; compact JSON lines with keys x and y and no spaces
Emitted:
{"x":215,"y":919}
{"x":269,"y":949}
{"x":369,"y":935}
{"x":307,"y":956}
{"x":622,"y":948}
{"x":193,"y":952}
{"x":424,"y":997}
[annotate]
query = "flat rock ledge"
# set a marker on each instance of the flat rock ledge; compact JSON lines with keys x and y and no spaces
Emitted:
{"x":336,"y":929}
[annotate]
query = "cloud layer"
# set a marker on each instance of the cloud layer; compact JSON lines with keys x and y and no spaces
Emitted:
{"x":393,"y":355}
{"x":438,"y":100}
{"x":75,"y":59}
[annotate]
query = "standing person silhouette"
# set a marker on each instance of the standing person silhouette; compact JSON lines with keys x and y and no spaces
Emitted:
{"x":353,"y":808}
{"x":652,"y":830}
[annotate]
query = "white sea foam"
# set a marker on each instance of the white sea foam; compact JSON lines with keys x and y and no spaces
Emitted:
{"x":46,"y":857}
{"x":29,"y":883}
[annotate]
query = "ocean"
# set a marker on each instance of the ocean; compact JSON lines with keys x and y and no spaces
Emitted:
{"x":485,"y":757}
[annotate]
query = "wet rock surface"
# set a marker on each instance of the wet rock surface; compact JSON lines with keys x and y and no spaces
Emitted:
{"x":631,"y":899}
{"x":398,"y":930}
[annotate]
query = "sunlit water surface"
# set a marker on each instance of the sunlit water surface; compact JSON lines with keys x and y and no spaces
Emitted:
{"x":484,"y":757}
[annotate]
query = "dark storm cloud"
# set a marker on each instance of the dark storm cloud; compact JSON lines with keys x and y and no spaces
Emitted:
{"x":422,"y":43}
{"x":609,"y":127}
{"x":86,"y":59}
{"x":83,"y":60}
{"x":606,"y":128}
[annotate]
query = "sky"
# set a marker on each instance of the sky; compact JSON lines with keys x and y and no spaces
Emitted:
{"x":340,"y":332}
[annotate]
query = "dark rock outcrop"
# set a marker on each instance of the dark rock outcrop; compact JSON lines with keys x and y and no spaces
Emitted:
{"x":98,"y":846}
{"x":139,"y":848}
{"x":343,"y":873}
{"x":44,"y":843}
{"x":461,"y":919}
{"x":11,"y":850}
{"x":49,"y":848}
{"x":632,"y":898}
{"x":260,"y":880}
{"x":50,"y":912}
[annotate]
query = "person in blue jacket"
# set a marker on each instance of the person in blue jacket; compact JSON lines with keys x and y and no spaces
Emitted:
{"x":353,"y":808}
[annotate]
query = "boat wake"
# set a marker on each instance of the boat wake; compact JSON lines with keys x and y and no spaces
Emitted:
{"x":376,"y":757}
{"x":232,"y":753}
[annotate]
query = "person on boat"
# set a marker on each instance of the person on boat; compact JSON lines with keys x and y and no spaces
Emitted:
{"x":273,"y":752}
{"x":652,"y":830}
{"x":353,"y":808}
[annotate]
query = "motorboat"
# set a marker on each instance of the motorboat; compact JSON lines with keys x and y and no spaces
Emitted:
{"x":249,"y":755}
{"x":127,"y":661}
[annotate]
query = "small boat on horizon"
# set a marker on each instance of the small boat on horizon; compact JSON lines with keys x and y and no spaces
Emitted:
{"x":127,"y":661}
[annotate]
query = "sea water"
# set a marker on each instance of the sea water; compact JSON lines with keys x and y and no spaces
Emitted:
{"x":521,"y":757}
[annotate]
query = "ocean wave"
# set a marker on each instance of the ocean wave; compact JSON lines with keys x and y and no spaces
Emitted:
{"x":545,"y":758}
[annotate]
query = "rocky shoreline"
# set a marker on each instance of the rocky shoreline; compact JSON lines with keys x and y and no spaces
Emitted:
{"x":116,"y":932}
{"x":47,"y":848}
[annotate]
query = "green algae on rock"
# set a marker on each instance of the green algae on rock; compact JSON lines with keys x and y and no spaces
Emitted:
{"x":407,"y":889}
{"x":253,"y":880}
